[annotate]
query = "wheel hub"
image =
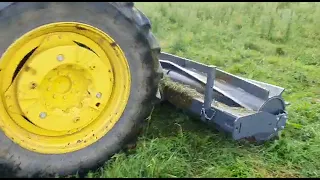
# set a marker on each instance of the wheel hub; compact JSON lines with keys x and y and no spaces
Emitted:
{"x":63,"y":88}
{"x":67,"y":84}
{"x":59,"y":87}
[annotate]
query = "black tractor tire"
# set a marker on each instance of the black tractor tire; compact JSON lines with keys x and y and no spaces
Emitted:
{"x":131,"y":31}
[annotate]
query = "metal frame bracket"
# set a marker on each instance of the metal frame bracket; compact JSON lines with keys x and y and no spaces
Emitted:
{"x":208,"y":96}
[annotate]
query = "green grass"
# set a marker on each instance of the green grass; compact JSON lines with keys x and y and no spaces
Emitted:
{"x":278,"y":43}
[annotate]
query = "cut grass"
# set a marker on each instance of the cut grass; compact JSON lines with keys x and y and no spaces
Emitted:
{"x":277,"y":43}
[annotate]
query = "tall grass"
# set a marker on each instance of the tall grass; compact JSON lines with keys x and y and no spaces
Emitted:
{"x":278,"y":43}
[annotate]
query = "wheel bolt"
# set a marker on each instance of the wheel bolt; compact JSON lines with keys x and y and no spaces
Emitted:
{"x":60,"y":57}
{"x":43,"y":115}
{"x":98,"y":95}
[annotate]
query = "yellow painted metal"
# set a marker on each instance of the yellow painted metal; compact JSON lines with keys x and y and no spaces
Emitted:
{"x":70,"y":91}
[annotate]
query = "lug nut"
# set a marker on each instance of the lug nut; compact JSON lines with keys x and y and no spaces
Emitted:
{"x":60,"y":57}
{"x":43,"y":115}
{"x":98,"y":95}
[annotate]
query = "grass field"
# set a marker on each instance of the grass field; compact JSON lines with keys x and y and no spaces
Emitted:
{"x":278,"y":43}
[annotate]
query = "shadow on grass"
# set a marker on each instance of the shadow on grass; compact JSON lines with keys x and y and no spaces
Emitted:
{"x":169,"y":121}
{"x":174,"y":144}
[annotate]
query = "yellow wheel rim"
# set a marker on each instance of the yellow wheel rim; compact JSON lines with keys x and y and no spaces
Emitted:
{"x":63,"y":87}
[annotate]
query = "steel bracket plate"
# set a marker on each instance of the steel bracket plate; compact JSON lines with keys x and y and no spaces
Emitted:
{"x":258,"y":124}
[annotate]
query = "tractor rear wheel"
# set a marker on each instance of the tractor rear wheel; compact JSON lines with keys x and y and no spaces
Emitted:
{"x":77,"y":79}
